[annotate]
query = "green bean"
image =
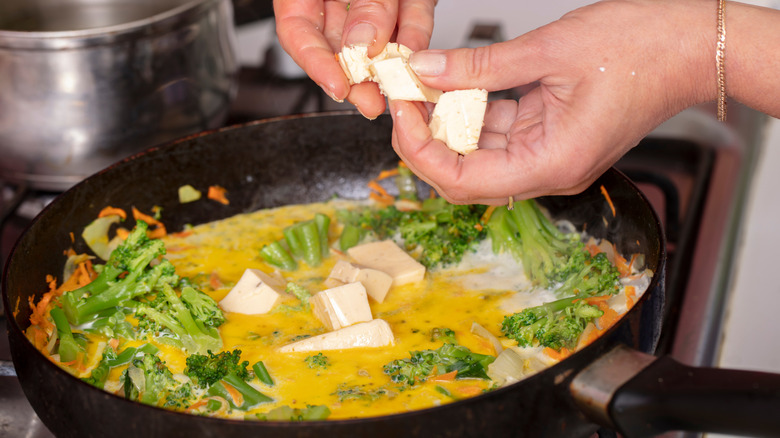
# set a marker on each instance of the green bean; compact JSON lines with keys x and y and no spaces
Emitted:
{"x":323,"y":224}
{"x":312,"y":251}
{"x":262,"y":373}
{"x":276,"y":255}
{"x":350,"y":236}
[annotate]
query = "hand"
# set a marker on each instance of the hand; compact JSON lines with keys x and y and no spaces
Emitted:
{"x":313,"y":31}
{"x":604,"y":75}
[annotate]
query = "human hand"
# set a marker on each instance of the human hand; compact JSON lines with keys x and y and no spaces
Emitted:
{"x":313,"y":31}
{"x":604,"y":75}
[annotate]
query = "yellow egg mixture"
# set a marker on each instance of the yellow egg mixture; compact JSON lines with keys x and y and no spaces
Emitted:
{"x":221,"y":251}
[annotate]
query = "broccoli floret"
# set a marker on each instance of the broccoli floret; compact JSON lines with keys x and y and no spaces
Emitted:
{"x":213,"y":371}
{"x":99,"y":374}
{"x":442,"y":232}
{"x":527,"y":233}
{"x":148,"y":380}
{"x":203,"y":308}
{"x":550,"y":256}
{"x":193,"y":327}
{"x":67,"y":346}
{"x":556,"y":324}
{"x":126,"y":274}
{"x":317,"y":361}
{"x":589,"y":276}
{"x":447,"y":358}
{"x":299,"y":292}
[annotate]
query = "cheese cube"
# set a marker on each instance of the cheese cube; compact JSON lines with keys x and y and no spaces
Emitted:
{"x":342,"y":306}
{"x":458,"y":117}
{"x":255,"y":293}
{"x":397,"y":81}
{"x":375,"y":333}
{"x":354,"y":61}
{"x":389,"y":258}
{"x":377,"y":283}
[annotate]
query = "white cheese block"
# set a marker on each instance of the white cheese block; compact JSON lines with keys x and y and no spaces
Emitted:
{"x":377,"y":283}
{"x":342,"y":306}
{"x":458,"y":117}
{"x":393,"y":50}
{"x":354,"y":61}
{"x":375,"y":333}
{"x":255,"y":293}
{"x":389,"y":258}
{"x":397,"y":81}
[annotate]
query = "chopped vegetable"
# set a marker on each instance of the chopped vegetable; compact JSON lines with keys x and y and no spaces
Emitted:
{"x":187,"y":194}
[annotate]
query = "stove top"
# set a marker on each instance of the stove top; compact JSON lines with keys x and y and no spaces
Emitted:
{"x":692,"y":169}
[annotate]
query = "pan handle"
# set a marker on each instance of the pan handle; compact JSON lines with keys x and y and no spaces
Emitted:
{"x":640,"y":395}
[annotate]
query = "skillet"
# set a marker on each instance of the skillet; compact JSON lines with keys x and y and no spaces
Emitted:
{"x":311,"y":158}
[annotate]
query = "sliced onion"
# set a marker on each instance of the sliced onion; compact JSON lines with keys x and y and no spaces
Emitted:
{"x":72,"y":263}
{"x":136,"y":376}
{"x":485,"y":333}
{"x":507,"y":368}
{"x":96,"y":235}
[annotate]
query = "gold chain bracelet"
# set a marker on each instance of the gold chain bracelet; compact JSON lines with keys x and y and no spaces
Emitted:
{"x":720,"y":60}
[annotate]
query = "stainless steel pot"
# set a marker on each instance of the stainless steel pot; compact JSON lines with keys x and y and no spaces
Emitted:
{"x":85,"y":83}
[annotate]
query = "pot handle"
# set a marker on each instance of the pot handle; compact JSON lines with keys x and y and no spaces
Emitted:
{"x":640,"y":395}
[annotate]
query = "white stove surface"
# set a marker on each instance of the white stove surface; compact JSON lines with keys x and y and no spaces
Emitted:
{"x":751,"y":323}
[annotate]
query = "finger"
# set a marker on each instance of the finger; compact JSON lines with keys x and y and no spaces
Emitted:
{"x":367,"y":99}
{"x":495,"y":67}
{"x":499,"y":116}
{"x":300,"y":25}
{"x":370,"y":23}
{"x":415,"y":23}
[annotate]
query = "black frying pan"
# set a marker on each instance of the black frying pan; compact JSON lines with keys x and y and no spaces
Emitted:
{"x":311,"y":158}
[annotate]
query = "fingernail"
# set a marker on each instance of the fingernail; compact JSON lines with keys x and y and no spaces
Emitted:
{"x":428,"y":63}
{"x":363,"y":34}
{"x":330,"y":93}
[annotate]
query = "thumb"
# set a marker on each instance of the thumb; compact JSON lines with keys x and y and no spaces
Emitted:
{"x":495,"y":67}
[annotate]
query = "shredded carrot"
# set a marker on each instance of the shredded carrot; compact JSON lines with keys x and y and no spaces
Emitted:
{"x":159,"y":228}
{"x":114,"y":343}
{"x":122,"y":233}
{"x":590,"y":334}
{"x":593,"y":249}
{"x":238,"y":399}
{"x":557,"y":355}
{"x":624,"y":269}
{"x":594,"y":301}
{"x":446,"y":377}
{"x":373,"y":185}
{"x":217,"y":193}
{"x":469,"y":390}
{"x":40,"y":337}
{"x":432,"y":194}
{"x":609,"y":200}
{"x":478,"y":226}
{"x":387,"y":174}
{"x":214,"y":281}
{"x":384,"y":200}
{"x":72,"y":237}
{"x":197,"y":404}
{"x":486,"y":215}
{"x":630,"y":296}
{"x":113,"y":211}
{"x":609,"y":318}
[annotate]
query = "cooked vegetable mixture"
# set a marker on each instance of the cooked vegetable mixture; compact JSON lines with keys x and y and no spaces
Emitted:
{"x":330,"y":310}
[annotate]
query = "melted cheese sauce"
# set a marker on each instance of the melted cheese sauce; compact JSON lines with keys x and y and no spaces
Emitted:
{"x":482,"y":289}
